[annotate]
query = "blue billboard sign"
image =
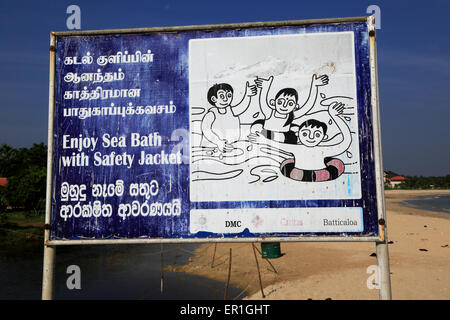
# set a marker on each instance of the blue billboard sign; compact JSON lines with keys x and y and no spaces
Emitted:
{"x":256,"y":132}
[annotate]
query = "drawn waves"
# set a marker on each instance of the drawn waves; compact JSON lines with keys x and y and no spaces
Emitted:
{"x":206,"y":175}
{"x":253,"y":165}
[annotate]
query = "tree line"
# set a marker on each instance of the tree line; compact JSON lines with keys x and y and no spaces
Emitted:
{"x":26,"y":170}
{"x":419,"y":182}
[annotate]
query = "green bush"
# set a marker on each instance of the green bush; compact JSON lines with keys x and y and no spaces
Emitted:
{"x":25,"y":169}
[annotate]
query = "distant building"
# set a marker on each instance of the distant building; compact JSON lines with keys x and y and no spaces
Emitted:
{"x":3,"y":182}
{"x":395,"y":181}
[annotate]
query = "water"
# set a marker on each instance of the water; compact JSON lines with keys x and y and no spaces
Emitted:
{"x":439,"y":203}
{"x":109,"y":272}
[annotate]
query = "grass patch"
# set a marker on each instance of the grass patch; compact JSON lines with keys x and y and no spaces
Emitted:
{"x":21,"y":230}
{"x":23,"y":218}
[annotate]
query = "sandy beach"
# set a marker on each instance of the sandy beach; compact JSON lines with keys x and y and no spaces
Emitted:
{"x":419,"y":260}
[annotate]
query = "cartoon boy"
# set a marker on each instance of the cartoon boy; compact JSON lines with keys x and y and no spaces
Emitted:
{"x":221,"y":125}
{"x":281,"y":111}
{"x":312,"y":160}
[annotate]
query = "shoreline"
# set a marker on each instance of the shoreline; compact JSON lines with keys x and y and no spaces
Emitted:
{"x":395,"y":201}
{"x":412,"y":204}
{"x":419,"y":253}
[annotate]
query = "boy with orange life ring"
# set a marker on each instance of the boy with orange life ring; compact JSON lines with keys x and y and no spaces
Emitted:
{"x":312,"y":161}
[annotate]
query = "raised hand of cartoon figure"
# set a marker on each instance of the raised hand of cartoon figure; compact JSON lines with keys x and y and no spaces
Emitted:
{"x":261,"y":82}
{"x":319,"y":80}
{"x":336,"y":109}
{"x":255,"y":137}
{"x":250,"y":90}
{"x":224,"y":146}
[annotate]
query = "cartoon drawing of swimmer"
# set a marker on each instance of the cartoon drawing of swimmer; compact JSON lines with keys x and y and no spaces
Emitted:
{"x":221,"y":125}
{"x":281,"y":111}
{"x":312,"y":161}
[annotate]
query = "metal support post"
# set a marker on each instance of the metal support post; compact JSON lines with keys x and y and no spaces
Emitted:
{"x":49,"y":251}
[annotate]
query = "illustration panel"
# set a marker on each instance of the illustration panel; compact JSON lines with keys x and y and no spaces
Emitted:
{"x":274,"y":118}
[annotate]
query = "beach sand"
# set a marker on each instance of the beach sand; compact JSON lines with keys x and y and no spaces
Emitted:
{"x":340,"y":270}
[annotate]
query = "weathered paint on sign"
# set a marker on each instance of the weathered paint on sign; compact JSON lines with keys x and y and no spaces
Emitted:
{"x":203,"y":134}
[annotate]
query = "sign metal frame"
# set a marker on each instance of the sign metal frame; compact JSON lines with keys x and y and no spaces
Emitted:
{"x":375,"y":123}
{"x":380,"y":239}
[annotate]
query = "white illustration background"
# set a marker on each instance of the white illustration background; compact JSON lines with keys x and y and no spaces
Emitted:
{"x":292,"y":60}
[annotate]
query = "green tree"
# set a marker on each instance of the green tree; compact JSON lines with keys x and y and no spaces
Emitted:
{"x":25,"y":169}
{"x":27,"y":190}
{"x":8,"y":161}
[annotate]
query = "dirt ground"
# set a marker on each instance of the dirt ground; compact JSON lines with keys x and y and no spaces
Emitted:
{"x":419,"y":261}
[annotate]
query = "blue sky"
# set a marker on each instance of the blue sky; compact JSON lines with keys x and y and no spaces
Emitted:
{"x":413,"y":56}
